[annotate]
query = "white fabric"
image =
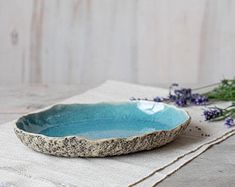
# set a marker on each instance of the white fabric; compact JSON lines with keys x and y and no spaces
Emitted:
{"x":22,"y":166}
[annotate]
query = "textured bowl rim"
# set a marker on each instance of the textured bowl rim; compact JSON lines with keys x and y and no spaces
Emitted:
{"x":186,"y":122}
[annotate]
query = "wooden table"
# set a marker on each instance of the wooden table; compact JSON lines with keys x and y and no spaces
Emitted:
{"x":215,"y":167}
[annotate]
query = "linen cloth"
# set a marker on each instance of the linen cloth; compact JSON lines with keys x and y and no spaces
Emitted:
{"x":21,"y":166}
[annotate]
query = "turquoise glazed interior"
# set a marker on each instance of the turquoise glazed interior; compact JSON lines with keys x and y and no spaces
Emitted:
{"x":103,"y":120}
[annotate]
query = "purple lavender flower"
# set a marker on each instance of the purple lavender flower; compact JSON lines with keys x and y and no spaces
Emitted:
{"x":229,"y":122}
{"x":132,"y":98}
{"x":183,"y":92}
{"x":135,"y":99}
{"x":158,"y":99}
{"x":181,"y":102}
{"x":172,"y":89}
{"x":172,"y":98}
{"x":212,"y":113}
{"x":180,"y":96}
{"x":198,"y":99}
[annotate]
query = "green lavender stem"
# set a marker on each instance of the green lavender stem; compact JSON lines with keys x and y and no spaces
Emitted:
{"x":230,"y":111}
{"x":225,"y":91}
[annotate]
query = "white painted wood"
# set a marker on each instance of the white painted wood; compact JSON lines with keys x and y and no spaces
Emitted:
{"x":15,"y":20}
{"x":88,"y":41}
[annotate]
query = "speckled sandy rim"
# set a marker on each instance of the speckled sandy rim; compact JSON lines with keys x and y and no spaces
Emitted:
{"x":96,"y":148}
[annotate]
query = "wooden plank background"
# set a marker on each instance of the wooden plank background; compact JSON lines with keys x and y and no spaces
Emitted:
{"x":89,"y":41}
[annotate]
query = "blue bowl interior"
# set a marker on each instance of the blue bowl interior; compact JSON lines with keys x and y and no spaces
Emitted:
{"x":103,"y":120}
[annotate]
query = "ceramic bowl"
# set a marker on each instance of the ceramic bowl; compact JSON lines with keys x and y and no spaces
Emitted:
{"x":101,"y":129}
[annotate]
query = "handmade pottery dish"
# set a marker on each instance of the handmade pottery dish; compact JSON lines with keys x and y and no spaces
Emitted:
{"x":101,"y":129}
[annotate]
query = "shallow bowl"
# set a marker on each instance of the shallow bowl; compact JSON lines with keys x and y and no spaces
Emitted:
{"x":101,"y":129}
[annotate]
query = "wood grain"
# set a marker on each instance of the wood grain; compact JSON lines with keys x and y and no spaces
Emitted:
{"x":87,"y":42}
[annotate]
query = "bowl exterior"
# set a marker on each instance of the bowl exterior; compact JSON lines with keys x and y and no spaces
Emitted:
{"x":73,"y":146}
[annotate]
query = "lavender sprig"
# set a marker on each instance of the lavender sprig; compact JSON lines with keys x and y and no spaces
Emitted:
{"x":213,"y":113}
{"x":217,"y":114}
{"x":225,"y":91}
{"x":180,"y":96}
{"x":158,"y":99}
